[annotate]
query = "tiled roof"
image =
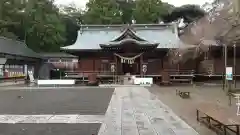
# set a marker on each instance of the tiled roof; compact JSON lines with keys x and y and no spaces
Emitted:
{"x":13,"y":47}
{"x":91,"y":36}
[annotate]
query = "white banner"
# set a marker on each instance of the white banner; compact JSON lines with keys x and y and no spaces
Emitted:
{"x":56,"y":82}
{"x":143,"y":81}
{"x":229,"y":75}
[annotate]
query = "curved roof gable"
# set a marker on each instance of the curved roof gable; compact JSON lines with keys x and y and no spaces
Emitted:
{"x":128,"y":36}
{"x":128,"y":33}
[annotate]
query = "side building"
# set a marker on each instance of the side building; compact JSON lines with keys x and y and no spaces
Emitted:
{"x":16,"y":59}
{"x":61,"y":60}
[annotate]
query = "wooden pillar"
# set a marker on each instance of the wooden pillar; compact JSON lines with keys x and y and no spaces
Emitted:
{"x":141,"y":64}
{"x":116,"y":63}
{"x":178,"y":68}
{"x":94,"y":68}
{"x":116,"y":68}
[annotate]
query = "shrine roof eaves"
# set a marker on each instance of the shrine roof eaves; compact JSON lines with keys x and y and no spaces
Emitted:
{"x":90,"y":27}
{"x":18,"y":48}
{"x":129,"y":40}
{"x":91,"y":36}
{"x":57,"y":55}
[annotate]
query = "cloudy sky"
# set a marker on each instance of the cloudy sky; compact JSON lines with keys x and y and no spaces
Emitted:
{"x":81,"y":3}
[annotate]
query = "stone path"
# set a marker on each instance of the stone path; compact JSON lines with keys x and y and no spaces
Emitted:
{"x":135,"y":111}
{"x":131,"y":111}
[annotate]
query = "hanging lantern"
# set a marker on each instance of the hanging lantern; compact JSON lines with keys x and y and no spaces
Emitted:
{"x":113,"y":68}
{"x":144,"y":68}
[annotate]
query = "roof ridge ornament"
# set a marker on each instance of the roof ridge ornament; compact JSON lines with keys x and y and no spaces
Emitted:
{"x":124,"y":27}
{"x":81,"y":29}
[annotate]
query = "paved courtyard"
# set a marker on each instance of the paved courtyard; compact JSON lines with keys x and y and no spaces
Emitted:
{"x":84,"y":101}
{"x":83,"y":111}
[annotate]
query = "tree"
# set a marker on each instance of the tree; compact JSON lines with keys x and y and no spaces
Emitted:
{"x":72,"y":18}
{"x":10,"y":17}
{"x":102,"y":12}
{"x":73,"y":13}
{"x":149,"y":11}
{"x":37,"y":22}
{"x":127,"y":7}
{"x":43,"y":25}
{"x":218,"y":27}
{"x":189,"y":13}
{"x":124,"y":11}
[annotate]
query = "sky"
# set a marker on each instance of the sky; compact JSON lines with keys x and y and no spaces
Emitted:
{"x":81,"y":3}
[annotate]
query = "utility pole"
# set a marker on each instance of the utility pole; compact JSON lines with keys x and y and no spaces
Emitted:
{"x":225,"y":64}
{"x":234,"y":66}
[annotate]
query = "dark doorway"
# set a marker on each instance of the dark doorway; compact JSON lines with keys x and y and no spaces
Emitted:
{"x":128,"y":68}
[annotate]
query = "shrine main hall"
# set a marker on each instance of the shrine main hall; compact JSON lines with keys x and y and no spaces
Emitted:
{"x":137,"y":49}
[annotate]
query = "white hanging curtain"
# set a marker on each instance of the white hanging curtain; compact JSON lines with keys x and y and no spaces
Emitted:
{"x":129,"y":60}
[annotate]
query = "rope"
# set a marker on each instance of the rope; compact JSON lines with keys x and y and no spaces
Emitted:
{"x":129,"y":60}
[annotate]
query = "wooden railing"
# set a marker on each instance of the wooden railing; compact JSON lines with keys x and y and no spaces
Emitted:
{"x":12,"y":79}
{"x":180,"y":72}
{"x":86,"y":73}
{"x":108,"y":73}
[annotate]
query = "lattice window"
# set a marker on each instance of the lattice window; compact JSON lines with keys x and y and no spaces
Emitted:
{"x":154,"y":66}
{"x":105,"y":66}
{"x":208,"y":66}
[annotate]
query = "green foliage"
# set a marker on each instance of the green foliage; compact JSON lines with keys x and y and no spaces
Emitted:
{"x":43,"y":25}
{"x":38,"y":22}
{"x":149,"y":11}
{"x":72,"y":18}
{"x":10,"y":16}
{"x":127,"y":8}
{"x":102,"y":12}
{"x":124,"y":11}
{"x":46,"y":27}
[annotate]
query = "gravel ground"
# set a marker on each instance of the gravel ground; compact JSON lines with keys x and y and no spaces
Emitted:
{"x":57,"y":101}
{"x":186,"y":108}
{"x":49,"y":129}
{"x":88,"y":101}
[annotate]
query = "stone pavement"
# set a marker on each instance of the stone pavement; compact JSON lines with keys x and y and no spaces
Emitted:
{"x":10,"y":83}
{"x":131,"y":111}
{"x":135,"y":111}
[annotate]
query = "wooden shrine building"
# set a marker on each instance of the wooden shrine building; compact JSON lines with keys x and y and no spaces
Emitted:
{"x":137,"y":49}
{"x":16,"y":59}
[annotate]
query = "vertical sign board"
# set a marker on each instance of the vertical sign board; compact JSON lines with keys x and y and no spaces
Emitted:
{"x":30,"y":75}
{"x":2,"y":62}
{"x":229,"y":75}
{"x":25,"y":70}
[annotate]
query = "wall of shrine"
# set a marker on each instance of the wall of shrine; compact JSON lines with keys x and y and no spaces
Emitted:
{"x":94,"y":64}
{"x":154,"y":66}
